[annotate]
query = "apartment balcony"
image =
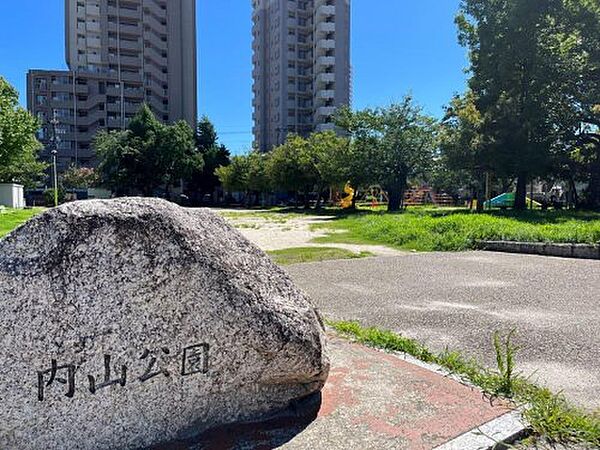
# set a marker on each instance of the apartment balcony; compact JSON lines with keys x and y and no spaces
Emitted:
{"x":91,"y":102}
{"x":70,"y":120}
{"x":134,"y":93}
{"x":155,"y":24}
{"x":125,"y":28}
{"x":157,"y":74}
{"x":131,"y":76}
{"x":156,"y":70}
{"x":125,"y":13}
{"x":132,"y":61}
{"x":125,"y":45}
{"x":91,"y":10}
{"x":326,"y":27}
{"x":61,"y":104}
{"x":79,"y":88}
{"x":113,"y":91}
{"x":154,"y":9}
{"x":152,"y":43}
{"x":155,"y":55}
{"x":93,"y":42}
{"x":325,"y":111}
{"x":58,"y":88}
{"x":326,"y":78}
{"x":327,"y":44}
{"x":93,"y":26}
{"x":90,"y":119}
{"x":326,"y":60}
{"x":156,"y":88}
{"x":325,"y":11}
{"x":325,"y":127}
{"x":132,"y":108}
{"x":114,"y":122}
{"x":155,"y":40}
{"x":158,"y":106}
{"x":326,"y":94}
{"x":113,"y":107}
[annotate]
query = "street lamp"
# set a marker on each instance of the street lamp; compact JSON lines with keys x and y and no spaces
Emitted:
{"x":55,"y":176}
{"x":54,"y":141}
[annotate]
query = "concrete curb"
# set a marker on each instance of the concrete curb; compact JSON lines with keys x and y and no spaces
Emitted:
{"x":581,"y":251}
{"x":505,"y":429}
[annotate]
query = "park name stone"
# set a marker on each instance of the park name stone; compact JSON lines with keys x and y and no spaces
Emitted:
{"x":133,"y":322}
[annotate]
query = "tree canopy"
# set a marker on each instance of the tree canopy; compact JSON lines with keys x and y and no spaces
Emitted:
{"x":534,"y":82}
{"x":18,"y":144}
{"x":205,"y":180}
{"x":389,"y":146}
{"x":147,"y":155}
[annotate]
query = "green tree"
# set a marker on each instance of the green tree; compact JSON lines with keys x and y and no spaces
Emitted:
{"x":147,"y":155}
{"x":258,"y":181}
{"x":576,"y":39}
{"x":461,"y":161}
{"x":18,"y":145}
{"x":234,"y":176}
{"x":515,"y":83}
{"x":329,"y":155}
{"x":179,"y":158}
{"x":206,"y":134}
{"x":117,"y":169}
{"x":408,"y":142}
{"x":215,"y":155}
{"x":363,"y":148}
{"x":291,"y":168}
{"x":79,"y":177}
{"x":389,"y":146}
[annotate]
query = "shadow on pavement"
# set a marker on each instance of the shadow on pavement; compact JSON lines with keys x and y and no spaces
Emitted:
{"x":270,"y":433}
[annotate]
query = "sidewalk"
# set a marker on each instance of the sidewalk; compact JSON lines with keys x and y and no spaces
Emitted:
{"x":375,"y":400}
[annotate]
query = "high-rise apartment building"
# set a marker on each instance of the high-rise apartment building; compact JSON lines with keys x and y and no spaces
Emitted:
{"x":120,"y":54}
{"x":301,"y":66}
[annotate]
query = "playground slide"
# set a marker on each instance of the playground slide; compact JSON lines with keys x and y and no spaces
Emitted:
{"x":507,"y":200}
{"x":346,"y":202}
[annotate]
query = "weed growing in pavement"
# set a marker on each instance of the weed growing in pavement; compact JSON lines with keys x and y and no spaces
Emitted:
{"x":505,"y":360}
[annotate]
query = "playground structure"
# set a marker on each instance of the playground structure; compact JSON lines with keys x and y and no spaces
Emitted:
{"x":426,"y":196}
{"x":507,"y":200}
{"x":346,"y":202}
{"x":375,"y":196}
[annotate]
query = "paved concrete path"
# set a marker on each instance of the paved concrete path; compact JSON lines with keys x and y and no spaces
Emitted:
{"x":373,"y":400}
{"x":460,"y":299}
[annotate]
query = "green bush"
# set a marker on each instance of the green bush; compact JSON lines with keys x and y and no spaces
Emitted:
{"x":49,"y":197}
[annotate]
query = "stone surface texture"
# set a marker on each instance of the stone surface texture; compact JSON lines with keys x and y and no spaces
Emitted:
{"x":130,"y":322}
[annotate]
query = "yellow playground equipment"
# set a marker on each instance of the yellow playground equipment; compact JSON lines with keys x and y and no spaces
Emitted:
{"x":346,"y":202}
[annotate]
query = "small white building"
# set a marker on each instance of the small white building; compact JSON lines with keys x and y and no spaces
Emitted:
{"x":12,"y":195}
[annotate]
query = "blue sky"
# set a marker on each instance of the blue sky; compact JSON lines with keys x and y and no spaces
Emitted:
{"x":398,"y":46}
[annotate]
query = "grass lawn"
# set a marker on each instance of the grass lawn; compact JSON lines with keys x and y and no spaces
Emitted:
{"x":427,"y":229}
{"x":12,"y":218}
{"x":313,"y":254}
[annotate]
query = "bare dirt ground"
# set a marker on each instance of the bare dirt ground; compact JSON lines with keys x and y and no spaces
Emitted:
{"x":271,"y":231}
